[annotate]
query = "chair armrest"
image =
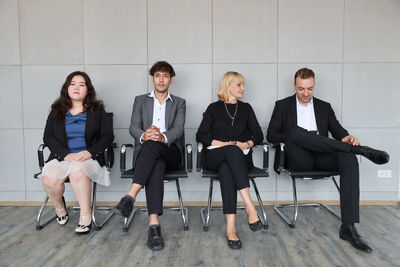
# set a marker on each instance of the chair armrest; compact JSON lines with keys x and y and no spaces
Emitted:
{"x":199,"y":156}
{"x":282,"y":155}
{"x":109,"y":155}
{"x":122,"y":163}
{"x":40,"y":159}
{"x":189,"y":157}
{"x":265,"y":156}
{"x":40,"y":155}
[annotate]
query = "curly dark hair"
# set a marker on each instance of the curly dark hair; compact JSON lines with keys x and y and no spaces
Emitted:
{"x":162,"y":66}
{"x":64,"y":103}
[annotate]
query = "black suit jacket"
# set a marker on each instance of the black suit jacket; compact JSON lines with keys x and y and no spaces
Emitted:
{"x":98,"y":135}
{"x":284,"y":119}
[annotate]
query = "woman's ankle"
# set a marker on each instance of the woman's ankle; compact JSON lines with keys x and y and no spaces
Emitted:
{"x":85,"y":219}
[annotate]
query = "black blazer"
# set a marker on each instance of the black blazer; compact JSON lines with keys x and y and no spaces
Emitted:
{"x":98,"y":135}
{"x":284,"y":119}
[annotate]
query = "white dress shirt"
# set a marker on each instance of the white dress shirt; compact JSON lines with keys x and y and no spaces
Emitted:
{"x":306,"y":116}
{"x":159,"y":115}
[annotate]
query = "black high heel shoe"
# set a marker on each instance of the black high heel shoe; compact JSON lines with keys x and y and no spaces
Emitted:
{"x":83,"y":229}
{"x":63,"y":219}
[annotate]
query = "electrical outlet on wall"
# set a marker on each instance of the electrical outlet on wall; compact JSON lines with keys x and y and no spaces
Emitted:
{"x":384,"y":173}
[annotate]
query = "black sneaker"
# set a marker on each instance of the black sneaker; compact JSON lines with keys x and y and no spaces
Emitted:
{"x":155,"y":240}
{"x":124,"y":207}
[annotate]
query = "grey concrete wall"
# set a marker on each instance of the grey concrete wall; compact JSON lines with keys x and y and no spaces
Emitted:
{"x":352,"y":45}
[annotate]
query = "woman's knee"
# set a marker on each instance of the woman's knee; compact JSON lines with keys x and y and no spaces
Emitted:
{"x":234,"y":153}
{"x":78,"y":176}
{"x":50,"y":182}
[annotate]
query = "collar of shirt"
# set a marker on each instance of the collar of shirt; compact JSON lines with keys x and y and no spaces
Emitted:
{"x":151,"y":94}
{"x":306,"y":116}
{"x":308,"y":105}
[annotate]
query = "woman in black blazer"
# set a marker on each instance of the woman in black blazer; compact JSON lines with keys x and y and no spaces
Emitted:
{"x":77,"y":132}
{"x":230,"y":130}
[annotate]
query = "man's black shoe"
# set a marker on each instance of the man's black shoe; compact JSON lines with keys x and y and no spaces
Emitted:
{"x":376,"y":156}
{"x":349,"y":233}
{"x":124,"y":207}
{"x":155,"y":240}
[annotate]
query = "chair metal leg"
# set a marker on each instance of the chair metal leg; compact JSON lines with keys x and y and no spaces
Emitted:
{"x":98,"y":226}
{"x":264,"y":214}
{"x":185,"y":217}
{"x":206,"y":218}
{"x":292,"y":223}
{"x":337,"y":186}
{"x":127,"y":221}
{"x":39,"y":225}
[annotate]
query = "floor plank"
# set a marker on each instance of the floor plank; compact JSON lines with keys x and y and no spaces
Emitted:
{"x":314,"y":241}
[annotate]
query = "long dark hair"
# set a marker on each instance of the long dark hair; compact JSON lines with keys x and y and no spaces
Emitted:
{"x":64,"y":103}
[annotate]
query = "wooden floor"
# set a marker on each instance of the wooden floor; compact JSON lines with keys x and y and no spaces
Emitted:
{"x":314,"y":241}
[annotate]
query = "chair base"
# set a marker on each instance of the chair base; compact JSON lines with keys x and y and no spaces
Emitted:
{"x":97,"y":226}
{"x":185,"y":218}
{"x":183,"y":210}
{"x":205,"y":212}
{"x":292,"y":222}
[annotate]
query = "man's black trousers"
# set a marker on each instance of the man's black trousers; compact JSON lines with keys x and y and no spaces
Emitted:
{"x":307,"y":151}
{"x":152,"y":162}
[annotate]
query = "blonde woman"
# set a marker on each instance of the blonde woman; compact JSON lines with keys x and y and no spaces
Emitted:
{"x":230,"y":130}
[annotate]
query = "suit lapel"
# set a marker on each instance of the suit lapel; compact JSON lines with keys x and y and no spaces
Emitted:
{"x":316,"y":112}
{"x":168,"y":112}
{"x":293,"y":110}
{"x":149,"y":106}
{"x":90,"y":125}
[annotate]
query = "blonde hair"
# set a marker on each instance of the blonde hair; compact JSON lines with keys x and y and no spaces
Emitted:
{"x":226,"y":80}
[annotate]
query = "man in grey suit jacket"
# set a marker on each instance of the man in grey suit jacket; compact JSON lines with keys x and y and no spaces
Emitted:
{"x":157,"y":125}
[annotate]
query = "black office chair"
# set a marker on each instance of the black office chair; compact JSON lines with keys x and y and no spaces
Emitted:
{"x":279,"y":166}
{"x":109,"y":161}
{"x":174,"y":175}
{"x":213,"y":175}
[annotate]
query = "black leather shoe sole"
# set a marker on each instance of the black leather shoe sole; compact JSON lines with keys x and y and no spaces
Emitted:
{"x":234,"y":244}
{"x":153,"y":247}
{"x":376,"y":156}
{"x":124,"y":207}
{"x":362,"y":247}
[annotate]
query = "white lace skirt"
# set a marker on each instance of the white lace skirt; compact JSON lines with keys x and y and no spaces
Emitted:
{"x":61,"y":169}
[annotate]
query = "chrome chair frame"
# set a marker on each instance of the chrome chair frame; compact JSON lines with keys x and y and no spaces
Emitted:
{"x":109,"y":159}
{"x":305,"y":176}
{"x":213,"y":175}
{"x":169,"y":176}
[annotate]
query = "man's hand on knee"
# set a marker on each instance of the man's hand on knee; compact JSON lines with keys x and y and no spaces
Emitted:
{"x":351,"y":140}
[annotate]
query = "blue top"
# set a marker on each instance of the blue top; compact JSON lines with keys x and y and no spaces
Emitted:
{"x":75,"y":127}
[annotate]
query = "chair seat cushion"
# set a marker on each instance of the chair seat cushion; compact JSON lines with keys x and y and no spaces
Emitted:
{"x":181,"y":173}
{"x":253,"y":173}
{"x":317,"y":174}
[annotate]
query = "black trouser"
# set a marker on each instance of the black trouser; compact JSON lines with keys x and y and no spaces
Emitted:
{"x":152,"y":162}
{"x":308,"y":151}
{"x":232,"y":166}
